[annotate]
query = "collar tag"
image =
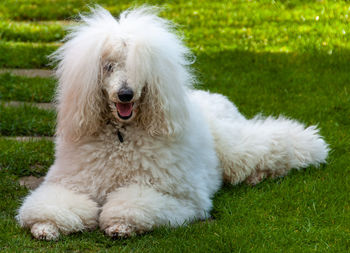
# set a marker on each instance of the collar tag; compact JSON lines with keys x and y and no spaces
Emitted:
{"x":120,"y":137}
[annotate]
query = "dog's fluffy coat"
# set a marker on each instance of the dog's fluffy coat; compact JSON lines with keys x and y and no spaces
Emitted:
{"x":163,"y":165}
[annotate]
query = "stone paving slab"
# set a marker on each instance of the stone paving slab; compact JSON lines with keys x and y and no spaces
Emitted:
{"x":29,"y":72}
{"x":45,"y":106}
{"x":29,"y":138}
{"x":31,"y":182}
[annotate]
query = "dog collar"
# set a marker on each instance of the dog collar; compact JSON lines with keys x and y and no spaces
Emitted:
{"x":118,"y":132}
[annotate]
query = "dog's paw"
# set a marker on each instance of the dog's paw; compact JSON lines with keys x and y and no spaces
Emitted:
{"x":120,"y":230}
{"x":45,"y":231}
{"x":256,"y":177}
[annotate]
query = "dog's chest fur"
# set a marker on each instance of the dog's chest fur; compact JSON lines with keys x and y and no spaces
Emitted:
{"x":113,"y":163}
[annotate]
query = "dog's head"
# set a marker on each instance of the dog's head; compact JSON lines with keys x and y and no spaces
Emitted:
{"x":135,"y":68}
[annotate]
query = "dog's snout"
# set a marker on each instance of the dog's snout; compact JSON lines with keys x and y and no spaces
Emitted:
{"x":125,"y":94}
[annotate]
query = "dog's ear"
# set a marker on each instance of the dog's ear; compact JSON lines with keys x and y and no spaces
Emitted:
{"x":159,"y":59}
{"x":79,"y":95}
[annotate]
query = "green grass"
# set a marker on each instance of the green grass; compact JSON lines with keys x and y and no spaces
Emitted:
{"x":26,"y":121}
{"x":310,"y":87}
{"x":269,"y":57}
{"x":208,"y":26}
{"x":50,"y":10}
{"x":25,"y":55}
{"x":26,"y":158}
{"x":31,"y":32}
{"x":28,"y":89}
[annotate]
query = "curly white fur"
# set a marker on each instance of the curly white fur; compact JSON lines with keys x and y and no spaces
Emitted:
{"x":162,"y":165}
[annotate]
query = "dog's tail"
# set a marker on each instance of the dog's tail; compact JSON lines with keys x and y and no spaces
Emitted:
{"x":252,"y":150}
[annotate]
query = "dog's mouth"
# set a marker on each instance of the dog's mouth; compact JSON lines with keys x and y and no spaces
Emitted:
{"x":124,"y":110}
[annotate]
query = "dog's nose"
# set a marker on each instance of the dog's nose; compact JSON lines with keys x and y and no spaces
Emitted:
{"x":125,"y":94}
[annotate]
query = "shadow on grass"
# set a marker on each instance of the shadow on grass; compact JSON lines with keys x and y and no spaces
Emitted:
{"x":311,"y":87}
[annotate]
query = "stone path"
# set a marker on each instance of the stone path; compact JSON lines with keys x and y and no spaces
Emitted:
{"x":45,"y":106}
{"x":29,"y":72}
{"x":31,"y":182}
{"x":29,"y":138}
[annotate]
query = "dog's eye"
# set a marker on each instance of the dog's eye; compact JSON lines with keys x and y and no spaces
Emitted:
{"x":108,"y":67}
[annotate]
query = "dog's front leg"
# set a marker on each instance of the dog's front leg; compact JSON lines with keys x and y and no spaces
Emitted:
{"x":53,"y":209}
{"x":136,"y":209}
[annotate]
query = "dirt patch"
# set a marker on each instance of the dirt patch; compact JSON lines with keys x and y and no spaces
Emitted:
{"x":31,"y":182}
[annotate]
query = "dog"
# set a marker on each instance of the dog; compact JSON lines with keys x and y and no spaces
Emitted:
{"x":137,"y":146}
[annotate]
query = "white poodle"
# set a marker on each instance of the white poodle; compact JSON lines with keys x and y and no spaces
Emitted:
{"x":136,"y":146}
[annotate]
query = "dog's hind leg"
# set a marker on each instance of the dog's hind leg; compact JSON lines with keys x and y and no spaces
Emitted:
{"x":251,"y":150}
{"x":52,"y":209}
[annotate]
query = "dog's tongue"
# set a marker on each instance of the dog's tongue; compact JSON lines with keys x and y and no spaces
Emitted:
{"x":124,"y":109}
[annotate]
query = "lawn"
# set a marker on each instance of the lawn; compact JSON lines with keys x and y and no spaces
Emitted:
{"x":269,"y":57}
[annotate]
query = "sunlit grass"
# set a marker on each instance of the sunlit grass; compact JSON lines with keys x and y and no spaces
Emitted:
{"x":257,"y":26}
{"x":31,"y":31}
